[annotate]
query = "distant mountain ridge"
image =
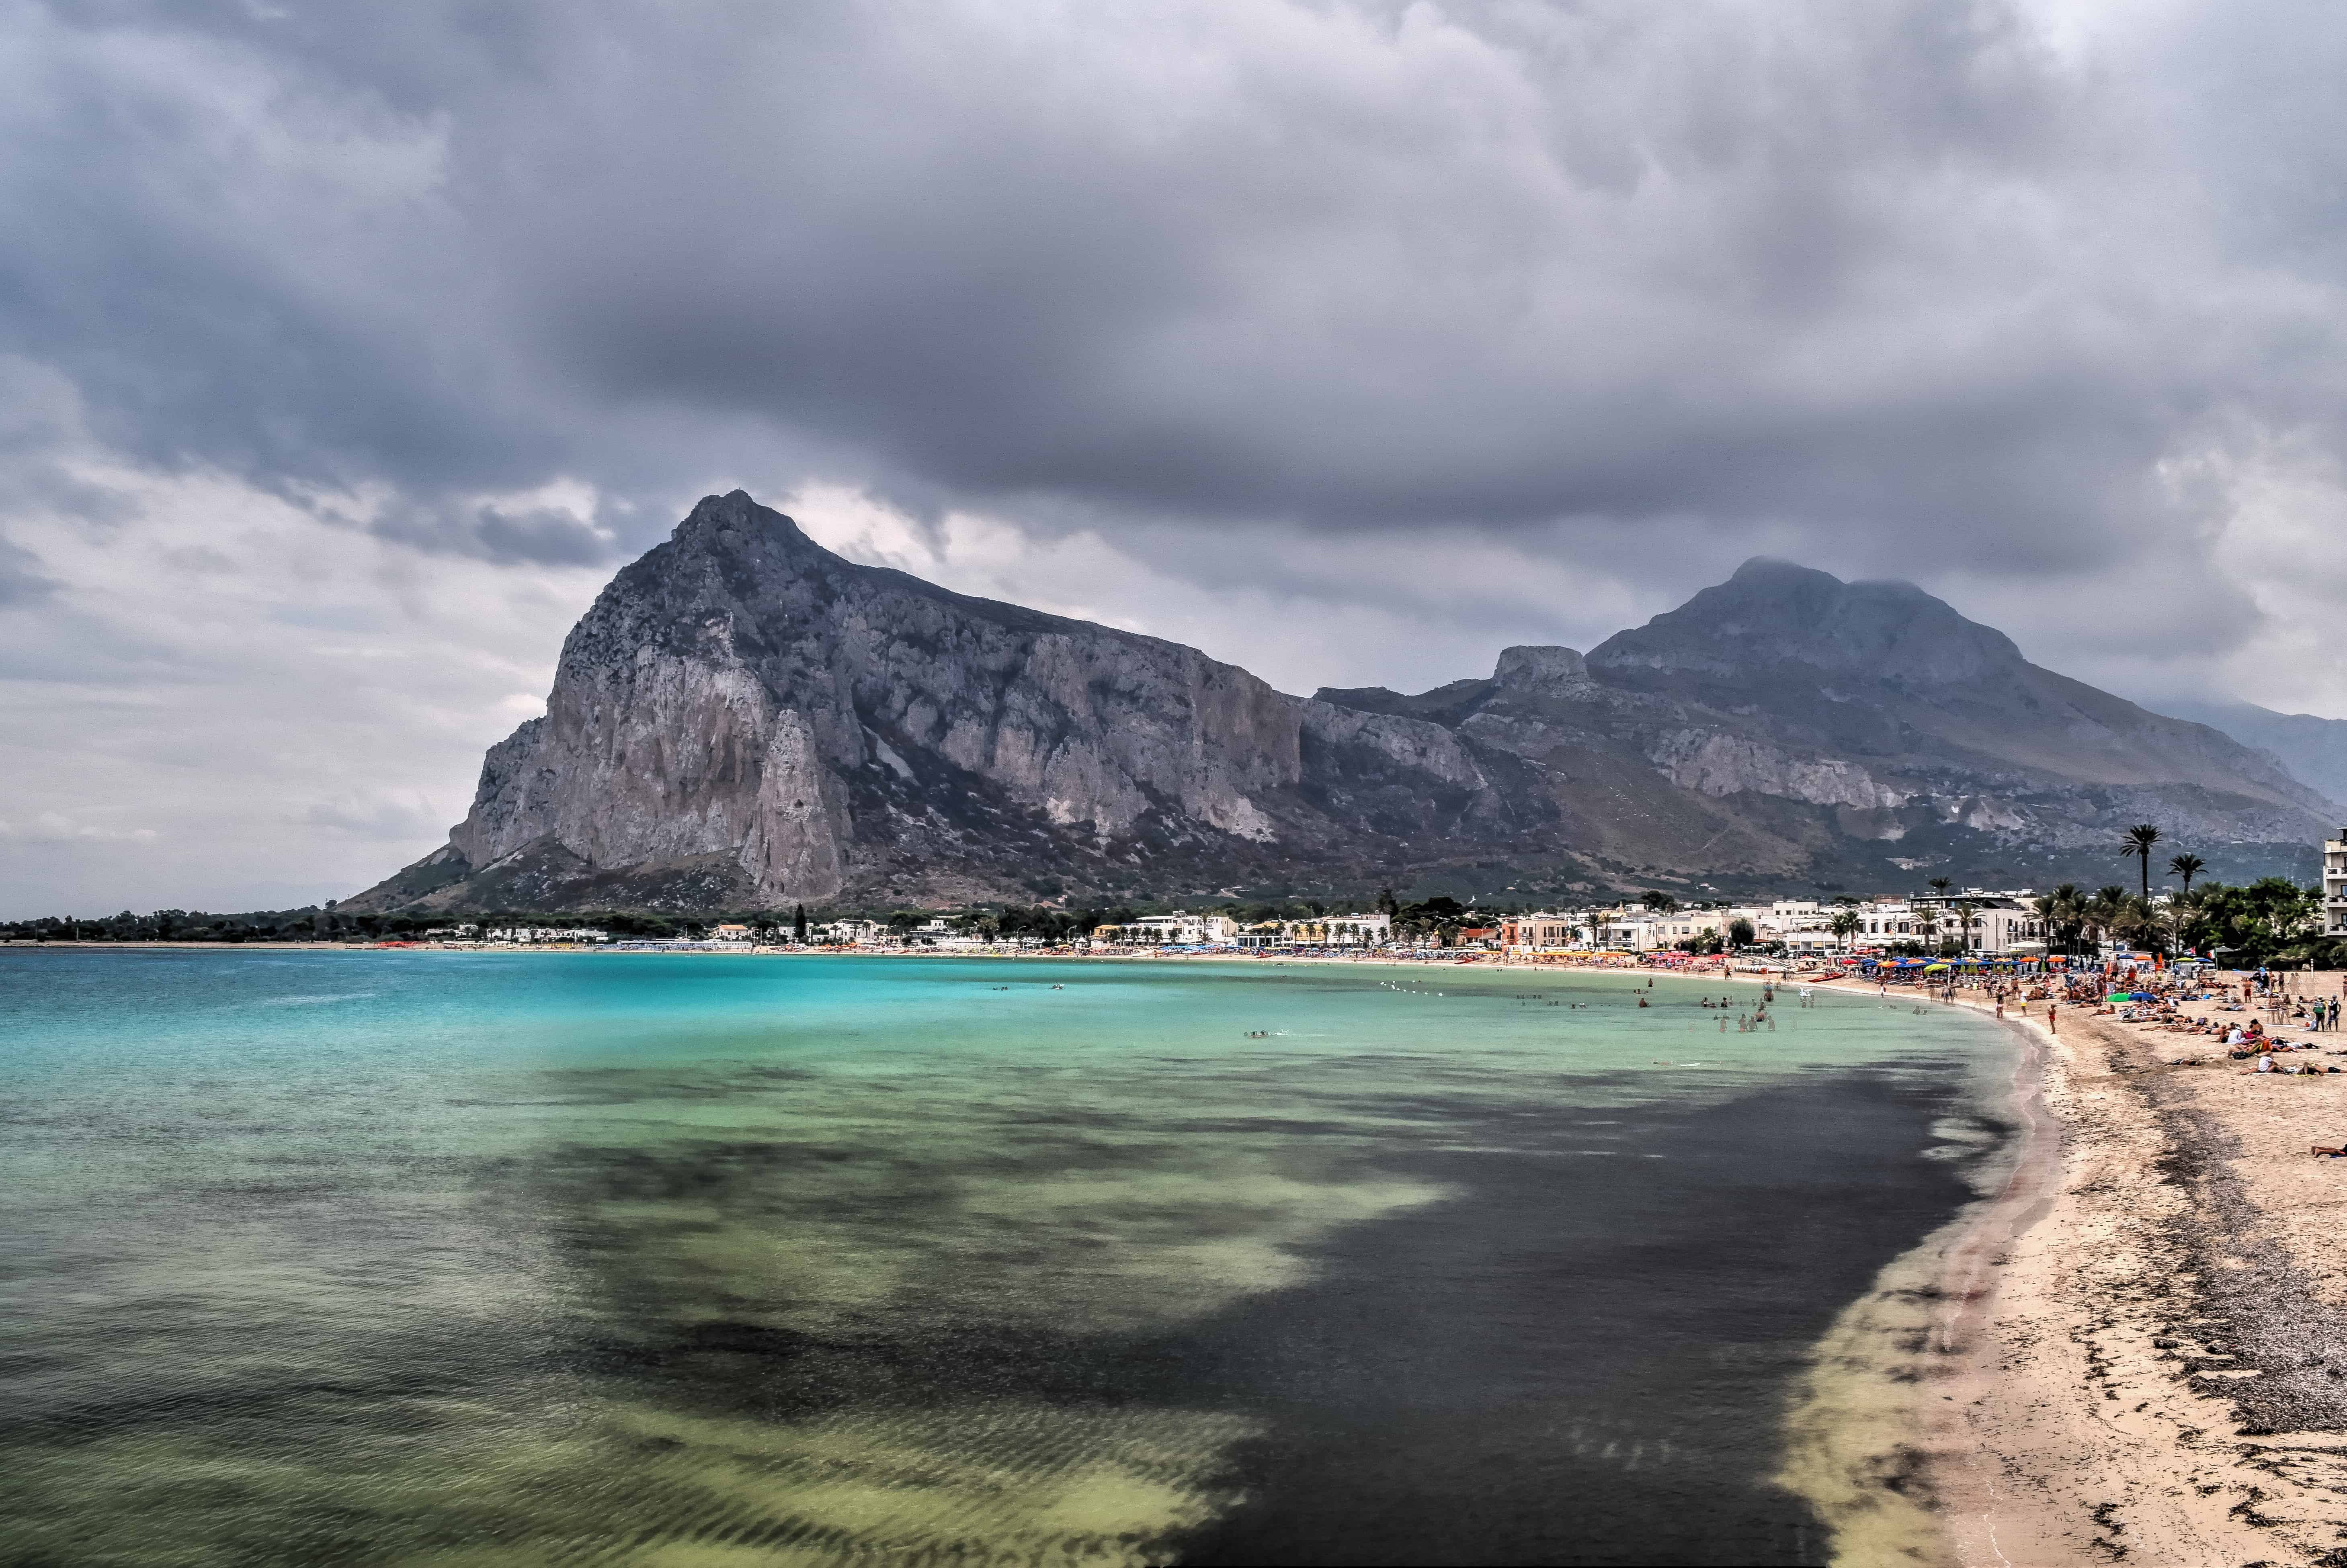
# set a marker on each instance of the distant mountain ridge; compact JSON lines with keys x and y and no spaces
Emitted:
{"x":745,"y":720}
{"x":2313,"y":749}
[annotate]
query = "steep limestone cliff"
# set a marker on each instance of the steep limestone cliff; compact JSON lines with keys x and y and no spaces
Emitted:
{"x":744,"y":716}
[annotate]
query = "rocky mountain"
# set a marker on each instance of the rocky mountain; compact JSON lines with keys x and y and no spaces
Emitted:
{"x":2313,"y":749}
{"x":745,"y":720}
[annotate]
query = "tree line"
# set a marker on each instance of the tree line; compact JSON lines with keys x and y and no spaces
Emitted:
{"x":2273,"y":922}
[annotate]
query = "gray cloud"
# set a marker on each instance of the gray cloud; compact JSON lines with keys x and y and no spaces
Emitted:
{"x":543,"y":536}
{"x":1434,"y":309}
{"x":21,"y":580}
{"x":1870,"y":270}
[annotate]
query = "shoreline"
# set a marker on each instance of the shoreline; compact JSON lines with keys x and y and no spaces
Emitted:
{"x":1866,"y":1442}
{"x":2134,"y":1350}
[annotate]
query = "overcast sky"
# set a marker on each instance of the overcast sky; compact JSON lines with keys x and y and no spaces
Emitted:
{"x":345,"y":350}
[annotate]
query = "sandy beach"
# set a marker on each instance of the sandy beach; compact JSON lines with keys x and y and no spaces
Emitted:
{"x":2135,"y":1351}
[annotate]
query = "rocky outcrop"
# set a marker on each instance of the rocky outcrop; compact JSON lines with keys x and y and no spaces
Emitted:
{"x":747,"y":715}
{"x":1714,"y":763}
{"x":745,"y":720}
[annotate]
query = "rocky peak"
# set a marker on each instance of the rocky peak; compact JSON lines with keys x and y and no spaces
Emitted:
{"x":734,"y":520}
{"x":1532,"y":666}
{"x":1773,"y":614}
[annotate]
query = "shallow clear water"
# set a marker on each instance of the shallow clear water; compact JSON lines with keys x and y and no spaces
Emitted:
{"x":472,"y":1258}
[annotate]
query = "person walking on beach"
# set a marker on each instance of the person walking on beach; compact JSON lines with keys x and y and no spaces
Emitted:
{"x":2053,"y":1017}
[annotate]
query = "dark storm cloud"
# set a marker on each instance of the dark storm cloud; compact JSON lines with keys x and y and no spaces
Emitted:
{"x":543,"y":536}
{"x":1862,"y":277}
{"x":1352,"y":269}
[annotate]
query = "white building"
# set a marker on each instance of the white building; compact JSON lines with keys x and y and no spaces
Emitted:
{"x":1889,"y":920}
{"x":1804,"y":926}
{"x":533,"y":935}
{"x":2334,"y":885}
{"x":2000,"y":919}
{"x":1630,"y":928}
{"x":848,"y":933}
{"x":1669,"y":928}
{"x":1171,"y":931}
{"x":1338,"y":931}
{"x":1543,"y":933}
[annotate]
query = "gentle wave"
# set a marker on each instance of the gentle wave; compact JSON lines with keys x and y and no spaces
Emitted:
{"x":318,"y":1000}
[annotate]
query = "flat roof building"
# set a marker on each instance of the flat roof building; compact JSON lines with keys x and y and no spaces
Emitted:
{"x":2334,"y":885}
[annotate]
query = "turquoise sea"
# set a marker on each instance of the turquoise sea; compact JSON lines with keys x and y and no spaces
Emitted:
{"x":416,"y":1257}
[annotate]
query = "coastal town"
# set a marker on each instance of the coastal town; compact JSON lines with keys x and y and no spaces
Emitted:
{"x":1973,"y":923}
{"x":1941,"y":924}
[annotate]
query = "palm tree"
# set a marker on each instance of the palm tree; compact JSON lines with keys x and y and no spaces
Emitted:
{"x":1846,"y":924}
{"x":2186,"y":866}
{"x":2137,"y":842}
{"x":1938,"y":885}
{"x":1967,"y":917}
{"x":2098,"y":915}
{"x":2138,"y":923}
{"x":2064,"y":910}
{"x":1927,"y":925}
{"x":2190,"y":913}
